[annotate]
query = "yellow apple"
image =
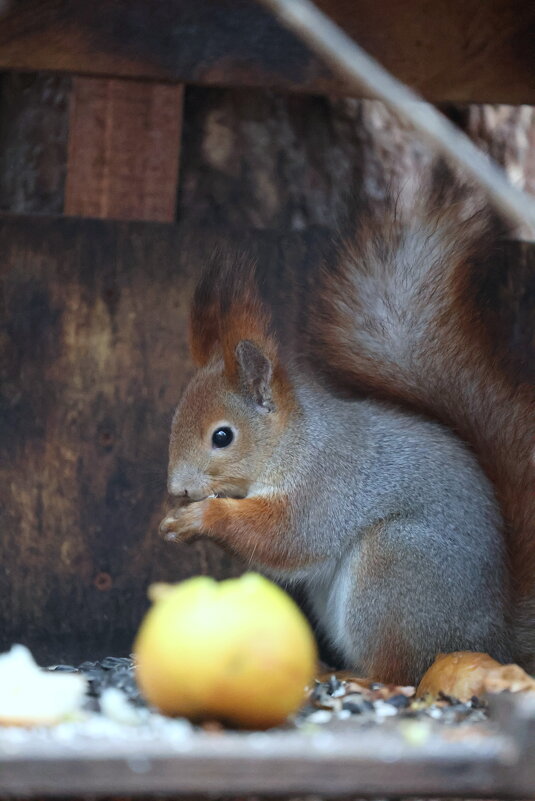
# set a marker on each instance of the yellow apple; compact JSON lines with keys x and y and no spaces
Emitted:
{"x":239,"y":650}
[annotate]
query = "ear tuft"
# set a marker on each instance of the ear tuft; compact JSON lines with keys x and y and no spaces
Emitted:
{"x":204,"y":325}
{"x":255,"y":372}
{"x":225,"y":308}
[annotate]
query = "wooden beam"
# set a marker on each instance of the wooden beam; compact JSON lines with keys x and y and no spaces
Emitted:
{"x":348,"y":760}
{"x":457,"y":51}
{"x":123,"y":153}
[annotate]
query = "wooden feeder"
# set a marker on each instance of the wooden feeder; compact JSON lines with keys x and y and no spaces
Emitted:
{"x":135,"y":135}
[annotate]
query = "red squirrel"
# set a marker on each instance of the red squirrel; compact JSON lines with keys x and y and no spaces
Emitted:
{"x":404,"y":504}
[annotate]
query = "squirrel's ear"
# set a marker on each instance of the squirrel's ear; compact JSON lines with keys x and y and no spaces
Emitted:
{"x":255,"y":373}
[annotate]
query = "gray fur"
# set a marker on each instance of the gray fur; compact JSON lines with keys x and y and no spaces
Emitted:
{"x":375,"y":471}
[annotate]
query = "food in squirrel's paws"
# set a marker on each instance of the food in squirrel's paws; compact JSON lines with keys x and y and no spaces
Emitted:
{"x":240,"y":651}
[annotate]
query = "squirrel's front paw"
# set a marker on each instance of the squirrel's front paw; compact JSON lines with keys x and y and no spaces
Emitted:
{"x":183,"y":522}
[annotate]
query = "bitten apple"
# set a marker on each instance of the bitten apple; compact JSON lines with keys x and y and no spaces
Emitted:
{"x":239,"y":650}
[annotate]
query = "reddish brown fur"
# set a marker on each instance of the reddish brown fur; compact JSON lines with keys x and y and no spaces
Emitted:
{"x":253,"y":528}
{"x":204,"y":333}
{"x":226,"y":309}
{"x":393,"y":660}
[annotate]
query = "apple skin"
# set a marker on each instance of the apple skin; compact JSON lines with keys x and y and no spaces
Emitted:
{"x":239,"y":651}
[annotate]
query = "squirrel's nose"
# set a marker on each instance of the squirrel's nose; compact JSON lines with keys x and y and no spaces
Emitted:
{"x":195,"y":494}
{"x":178,"y":485}
{"x":178,"y":493}
{"x":187,"y":483}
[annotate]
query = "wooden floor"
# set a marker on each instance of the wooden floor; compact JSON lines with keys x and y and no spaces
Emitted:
{"x":494,"y":760}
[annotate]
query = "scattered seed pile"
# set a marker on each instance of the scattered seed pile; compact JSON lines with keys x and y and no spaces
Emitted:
{"x":111,"y":672}
{"x":115,"y":713}
{"x":351,"y":698}
{"x":331,"y":699}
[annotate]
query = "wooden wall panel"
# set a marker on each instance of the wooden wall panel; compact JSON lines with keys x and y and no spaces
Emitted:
{"x":124,"y":145}
{"x":253,"y":157}
{"x":93,"y":356}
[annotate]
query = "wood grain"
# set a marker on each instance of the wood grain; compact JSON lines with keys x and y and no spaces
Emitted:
{"x":123,"y":155}
{"x":460,"y":51}
{"x":93,"y":358}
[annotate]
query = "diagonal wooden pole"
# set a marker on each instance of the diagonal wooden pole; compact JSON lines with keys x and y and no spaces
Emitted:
{"x":362,"y":72}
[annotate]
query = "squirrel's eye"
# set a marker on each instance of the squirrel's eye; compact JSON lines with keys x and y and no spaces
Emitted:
{"x":222,"y":437}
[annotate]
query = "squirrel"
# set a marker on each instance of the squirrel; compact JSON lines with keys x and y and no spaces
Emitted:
{"x":389,"y":474}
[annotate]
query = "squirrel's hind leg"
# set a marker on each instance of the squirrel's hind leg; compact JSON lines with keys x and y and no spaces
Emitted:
{"x":406,"y":593}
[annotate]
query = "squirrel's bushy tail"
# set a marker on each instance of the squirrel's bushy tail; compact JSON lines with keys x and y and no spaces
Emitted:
{"x":398,"y":317}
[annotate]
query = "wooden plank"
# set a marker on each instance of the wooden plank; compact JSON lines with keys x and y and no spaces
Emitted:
{"x":123,"y":154}
{"x":356,"y":766}
{"x":384,"y":761}
{"x":459,"y":51}
{"x":93,"y":358}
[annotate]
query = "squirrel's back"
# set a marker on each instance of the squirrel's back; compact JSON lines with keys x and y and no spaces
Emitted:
{"x":397,"y":318}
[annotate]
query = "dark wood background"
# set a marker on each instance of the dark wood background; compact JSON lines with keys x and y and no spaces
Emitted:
{"x":93,"y":349}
